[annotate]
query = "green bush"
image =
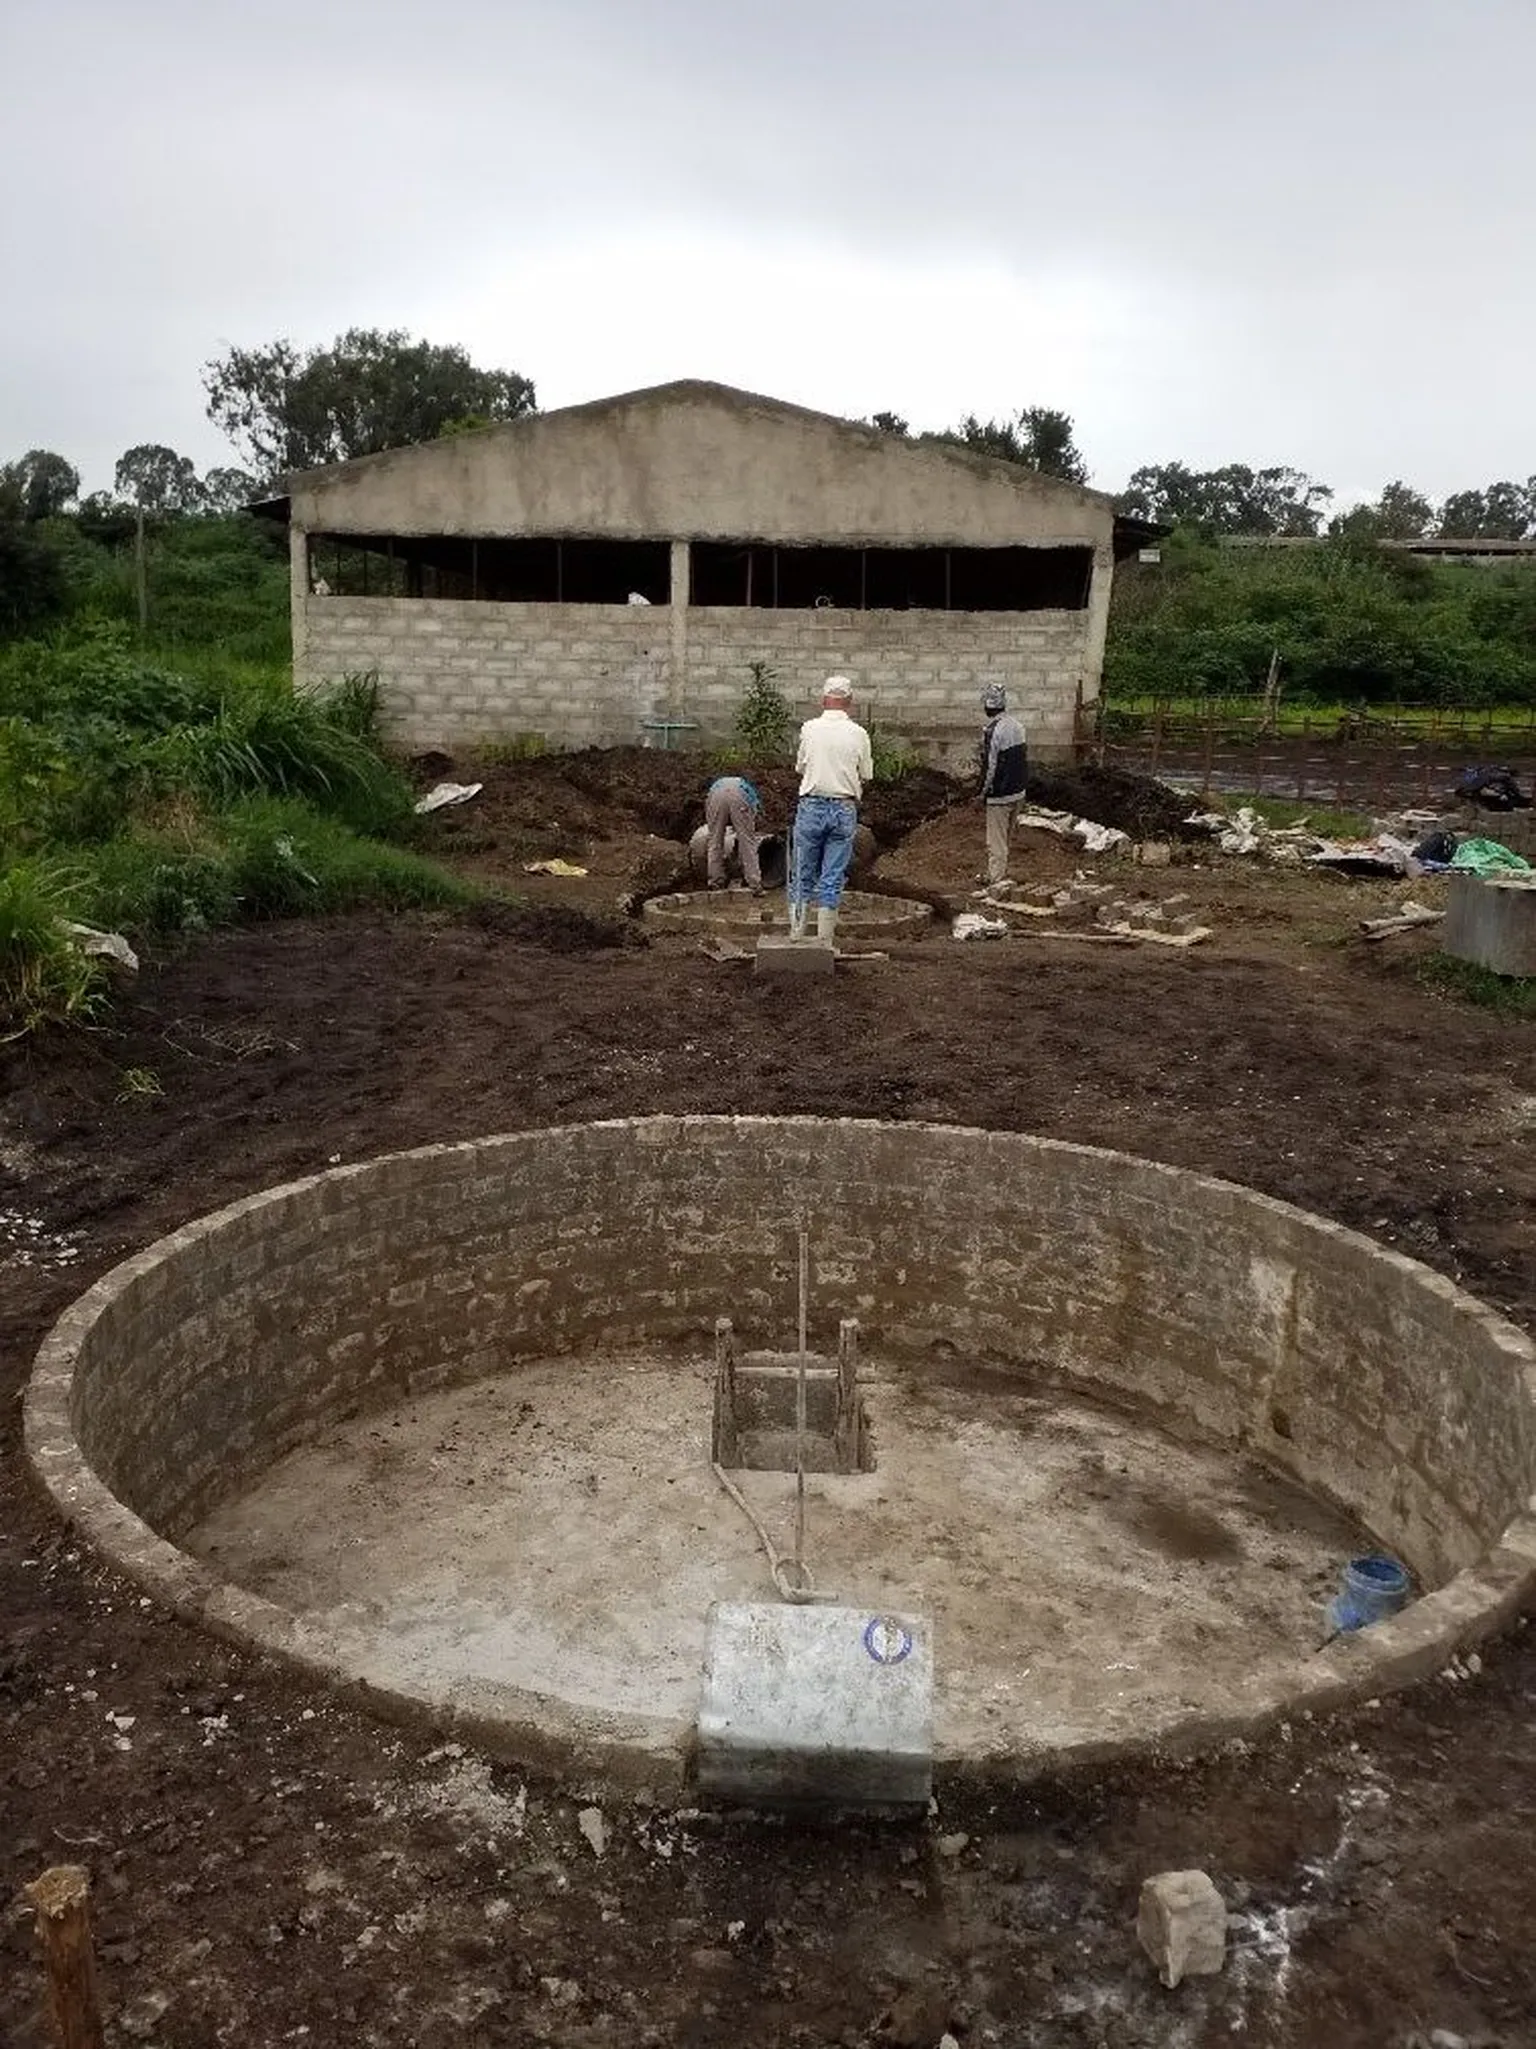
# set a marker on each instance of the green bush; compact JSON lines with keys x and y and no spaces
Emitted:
{"x":90,"y":732}
{"x":894,"y":757}
{"x":764,"y":721}
{"x":1351,"y":624}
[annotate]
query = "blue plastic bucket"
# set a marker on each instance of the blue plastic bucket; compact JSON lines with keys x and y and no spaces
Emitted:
{"x":1374,"y":1588}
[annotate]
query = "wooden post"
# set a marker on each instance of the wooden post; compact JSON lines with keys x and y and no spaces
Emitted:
{"x":64,"y":1934}
{"x":1272,"y":694}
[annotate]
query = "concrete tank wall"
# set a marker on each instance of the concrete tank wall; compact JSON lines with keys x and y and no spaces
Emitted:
{"x":190,"y":1368}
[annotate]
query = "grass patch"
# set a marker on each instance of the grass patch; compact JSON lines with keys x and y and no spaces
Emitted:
{"x":154,"y":802}
{"x":1465,"y":981}
{"x":1322,"y":819}
{"x":264,"y":857}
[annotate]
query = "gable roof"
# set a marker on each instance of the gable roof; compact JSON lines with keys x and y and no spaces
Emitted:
{"x":698,"y":460}
{"x":691,"y":390}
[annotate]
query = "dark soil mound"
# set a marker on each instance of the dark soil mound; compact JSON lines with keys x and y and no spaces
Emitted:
{"x":556,"y":798}
{"x":1137,"y":804}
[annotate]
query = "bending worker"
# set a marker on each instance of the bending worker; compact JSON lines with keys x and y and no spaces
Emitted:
{"x":731,"y":804}
{"x":835,"y":762}
{"x":1004,"y":774}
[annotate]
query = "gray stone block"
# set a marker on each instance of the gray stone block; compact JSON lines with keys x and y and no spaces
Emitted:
{"x":816,"y":1705}
{"x":1492,"y":922}
{"x":1182,"y":1925}
{"x":777,"y":955}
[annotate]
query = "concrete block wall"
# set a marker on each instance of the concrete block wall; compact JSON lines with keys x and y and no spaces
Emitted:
{"x":453,"y":672}
{"x":918,"y":673}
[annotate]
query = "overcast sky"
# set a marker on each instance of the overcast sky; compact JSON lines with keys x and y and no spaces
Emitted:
{"x":1264,"y":231}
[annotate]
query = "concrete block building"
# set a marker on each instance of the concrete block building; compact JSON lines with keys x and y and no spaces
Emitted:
{"x":609,"y":572}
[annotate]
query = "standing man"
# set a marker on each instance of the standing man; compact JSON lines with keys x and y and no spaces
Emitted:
{"x":1004,"y":773}
{"x":731,"y":804}
{"x":835,"y":763}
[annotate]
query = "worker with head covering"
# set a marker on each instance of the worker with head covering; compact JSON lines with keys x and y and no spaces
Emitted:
{"x":731,"y":805}
{"x":1004,"y":773}
{"x":835,"y":762}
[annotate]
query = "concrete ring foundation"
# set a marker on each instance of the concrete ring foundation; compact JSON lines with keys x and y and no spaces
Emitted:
{"x":862,"y":913}
{"x":436,"y":1427}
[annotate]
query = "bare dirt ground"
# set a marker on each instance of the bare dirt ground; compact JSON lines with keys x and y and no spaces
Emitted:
{"x":272,"y":1866}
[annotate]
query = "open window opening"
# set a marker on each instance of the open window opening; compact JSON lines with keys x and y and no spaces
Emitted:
{"x":783,"y":578}
{"x":537,"y":571}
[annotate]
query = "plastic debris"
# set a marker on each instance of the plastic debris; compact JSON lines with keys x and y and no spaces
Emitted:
{"x":1489,"y":857}
{"x":109,"y":945}
{"x":441,"y":795}
{"x":1098,"y":839}
{"x":971,"y":925}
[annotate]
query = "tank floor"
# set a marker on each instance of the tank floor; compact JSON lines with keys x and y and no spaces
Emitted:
{"x":559,"y":1529}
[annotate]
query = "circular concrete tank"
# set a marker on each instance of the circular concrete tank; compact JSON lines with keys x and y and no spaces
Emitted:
{"x":437,"y":1428}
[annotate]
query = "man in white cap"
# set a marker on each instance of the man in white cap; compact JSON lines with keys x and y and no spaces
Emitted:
{"x":835,"y":763}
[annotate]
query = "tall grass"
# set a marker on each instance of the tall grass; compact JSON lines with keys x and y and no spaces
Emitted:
{"x":44,"y":977}
{"x":154,"y":802}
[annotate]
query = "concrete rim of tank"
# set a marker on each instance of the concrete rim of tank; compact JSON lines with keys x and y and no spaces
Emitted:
{"x":1477,"y":1602}
{"x":698,"y":910}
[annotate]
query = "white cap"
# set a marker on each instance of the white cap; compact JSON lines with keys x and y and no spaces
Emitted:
{"x":837,"y":686}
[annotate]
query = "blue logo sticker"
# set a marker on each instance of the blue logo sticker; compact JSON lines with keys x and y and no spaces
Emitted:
{"x":886,"y":1641}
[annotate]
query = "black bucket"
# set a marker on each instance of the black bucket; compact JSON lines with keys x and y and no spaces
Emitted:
{"x":772,"y":858}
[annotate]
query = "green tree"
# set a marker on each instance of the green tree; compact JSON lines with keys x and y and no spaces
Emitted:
{"x":157,"y":480}
{"x":106,"y":520}
{"x":38,"y":485}
{"x":1399,"y":514}
{"x":1502,"y":512}
{"x":1038,"y":437}
{"x":289,"y":408}
{"x":32,"y":585}
{"x":228,"y":490}
{"x":890,"y":423}
{"x":1232,"y":500}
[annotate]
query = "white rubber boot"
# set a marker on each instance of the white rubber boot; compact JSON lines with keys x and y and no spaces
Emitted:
{"x":826,"y":926}
{"x":797,"y":921}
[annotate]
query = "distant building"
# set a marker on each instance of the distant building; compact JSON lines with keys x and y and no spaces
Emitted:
{"x":490,"y":580}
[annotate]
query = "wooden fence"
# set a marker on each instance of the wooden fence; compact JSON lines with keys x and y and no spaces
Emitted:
{"x":1358,"y":761}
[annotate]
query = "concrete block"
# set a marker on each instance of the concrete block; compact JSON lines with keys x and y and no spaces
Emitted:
{"x":778,"y":955}
{"x":1492,"y":922}
{"x":816,"y":1705}
{"x":1182,"y":1925}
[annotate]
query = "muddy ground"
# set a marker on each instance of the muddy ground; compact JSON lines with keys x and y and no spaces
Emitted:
{"x":271,"y":1867}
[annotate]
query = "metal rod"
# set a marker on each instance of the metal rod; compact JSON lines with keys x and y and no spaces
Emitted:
{"x":805,"y":1271}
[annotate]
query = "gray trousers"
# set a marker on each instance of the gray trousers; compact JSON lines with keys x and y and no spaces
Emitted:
{"x":726,"y":808}
{"x":999,"y":832}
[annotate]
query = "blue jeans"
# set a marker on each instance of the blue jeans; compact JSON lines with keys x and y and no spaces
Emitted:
{"x":824,"y":829}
